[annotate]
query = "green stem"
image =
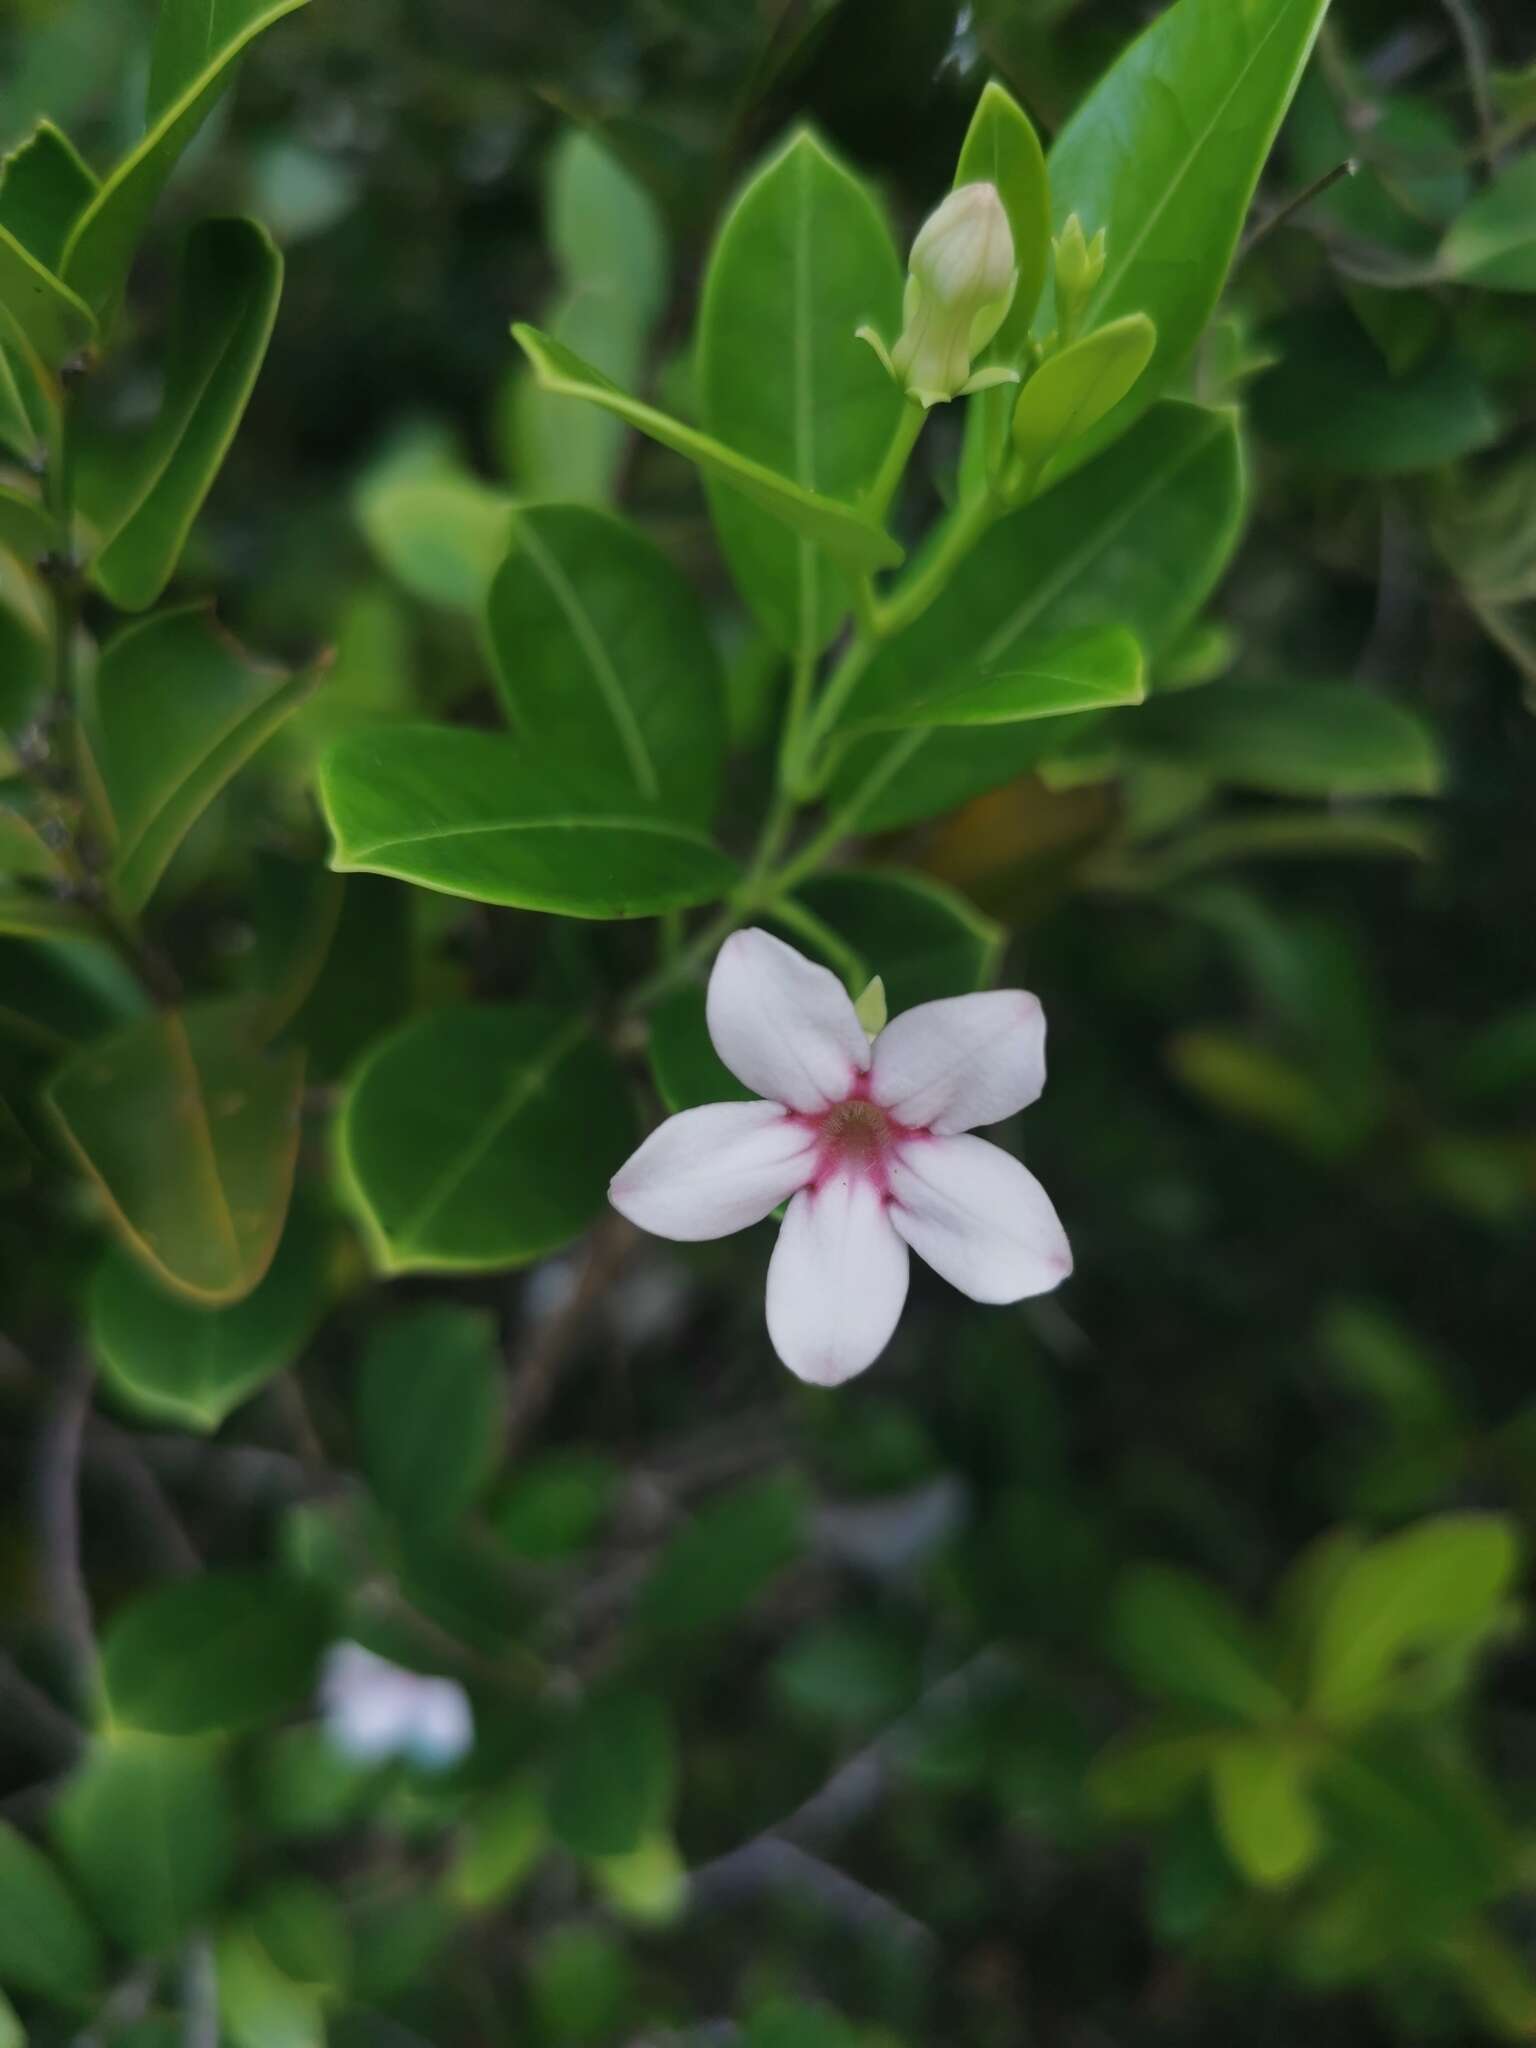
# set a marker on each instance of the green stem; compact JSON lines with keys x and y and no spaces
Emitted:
{"x":894,"y":467}
{"x":843,"y":820}
{"x":966,"y":527}
{"x":850,"y":964}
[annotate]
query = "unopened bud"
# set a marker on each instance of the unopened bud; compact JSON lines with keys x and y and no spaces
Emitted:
{"x":1079,"y":266}
{"x":960,"y":284}
{"x":870,"y":1009}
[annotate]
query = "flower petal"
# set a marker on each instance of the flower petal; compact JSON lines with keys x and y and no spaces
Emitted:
{"x":978,"y":1218}
{"x":967,"y":1060}
{"x":836,"y":1282}
{"x":783,"y":1025}
{"x":706,"y":1172}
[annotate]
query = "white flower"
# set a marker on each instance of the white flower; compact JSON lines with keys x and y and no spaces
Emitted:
{"x":375,"y":1710}
{"x":866,"y":1143}
{"x":960,"y":283}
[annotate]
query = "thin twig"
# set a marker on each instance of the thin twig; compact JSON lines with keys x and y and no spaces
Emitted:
{"x":117,"y":1451}
{"x":1294,"y":205}
{"x":538,"y":1370}
{"x":58,"y":1513}
{"x":770,"y":1864}
{"x":54,"y":1729}
{"x":1474,"y":45}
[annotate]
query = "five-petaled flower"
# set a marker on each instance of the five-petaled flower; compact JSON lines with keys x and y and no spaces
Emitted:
{"x":866,"y":1141}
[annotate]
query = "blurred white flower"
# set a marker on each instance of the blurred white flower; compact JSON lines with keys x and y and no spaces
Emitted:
{"x":866,"y":1143}
{"x":375,"y":1710}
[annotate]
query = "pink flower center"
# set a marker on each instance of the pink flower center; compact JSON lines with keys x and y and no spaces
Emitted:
{"x":857,"y":1137}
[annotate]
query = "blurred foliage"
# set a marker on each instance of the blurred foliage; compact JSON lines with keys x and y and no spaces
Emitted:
{"x":1142,"y":1666}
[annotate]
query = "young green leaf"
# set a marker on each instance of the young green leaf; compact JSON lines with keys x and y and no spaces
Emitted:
{"x":147,"y":1827}
{"x":605,"y":660}
{"x":1164,"y":155}
{"x":175,"y":709}
{"x":847,"y":535}
{"x":803,"y":259}
{"x":1072,"y":391}
{"x":429,"y":1401}
{"x":1493,"y":242}
{"x":197,"y":43}
{"x":716,"y":1564}
{"x":232,"y":276}
{"x":438,"y":530}
{"x":1002,"y":148}
{"x":479,"y":815}
{"x":1293,"y":739}
{"x":476,"y":1139}
{"x":190,"y":1130}
{"x":1264,"y":1810}
{"x":26,"y":526}
{"x":612,"y":1774}
{"x":212,"y":1654}
{"x":47,"y":1945}
{"x":260,"y":2005}
{"x":50,"y":317}
{"x":1083,"y":672}
{"x":1137,"y":538}
{"x":1438,"y":1585}
{"x":172,"y":1361}
{"x":1183,"y":1640}
{"x":45,"y":185}
{"x":1149,"y":1773}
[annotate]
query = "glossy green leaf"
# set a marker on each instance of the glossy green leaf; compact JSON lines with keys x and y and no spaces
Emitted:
{"x":1293,"y":739}
{"x":1437,"y":1585}
{"x":173,"y":1362}
{"x":612,"y":1774}
{"x":429,"y":1401}
{"x":175,"y":709}
{"x":260,"y":2005}
{"x":479,"y":815}
{"x":1072,"y":391}
{"x":922,"y":938}
{"x":191,"y":1130}
{"x":605,"y":660}
{"x":26,"y":525}
{"x":1493,"y":242}
{"x":1264,"y":1811}
{"x":438,"y":530}
{"x":47,"y":1945}
{"x":687,"y":1069}
{"x":1136,"y":538}
{"x":847,"y":535}
{"x":553,"y":1504}
{"x":476,"y":1139}
{"x":19,"y":425}
{"x":231,"y":281}
{"x":212,"y":1654}
{"x":1165,"y":154}
{"x":50,"y":317}
{"x":147,"y":1827}
{"x":63,"y":988}
{"x":1083,"y":672}
{"x":197,"y":43}
{"x":721,"y":1560}
{"x":608,"y":238}
{"x":803,"y":259}
{"x":1184,"y":1641}
{"x":45,"y":185}
{"x":1330,"y":402}
{"x":1001,"y":148}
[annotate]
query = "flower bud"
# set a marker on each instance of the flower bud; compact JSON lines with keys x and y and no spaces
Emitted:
{"x":1079,"y":266}
{"x":960,"y":284}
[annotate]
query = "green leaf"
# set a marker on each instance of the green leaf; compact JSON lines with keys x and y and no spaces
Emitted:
{"x":605,"y":660}
{"x":260,"y":2005}
{"x":1001,"y":148}
{"x":429,"y":1414}
{"x":1165,"y":154}
{"x":1072,"y":391}
{"x":716,"y":1564}
{"x":476,"y":1139}
{"x":47,"y":314}
{"x":648,"y":1885}
{"x":504,"y":1841}
{"x":47,"y":1945}
{"x":1254,"y":1085}
{"x":12,"y":2033}
{"x":26,"y":525}
{"x":176,"y":708}
{"x":1084,"y":672}
{"x":213,"y":1654}
{"x":687,"y":1069}
{"x":20,"y":429}
{"x":231,"y":281}
{"x":845,"y":534}
{"x":612,"y":1774}
{"x":45,"y":185}
{"x":440,"y":532}
{"x":1423,"y":1825}
{"x":1136,"y":538}
{"x":923,"y":938}
{"x":1264,"y":1811}
{"x":1439,"y":1585}
{"x":191,"y":1131}
{"x":552,"y":1505}
{"x":1293,"y":739}
{"x":476,"y":814}
{"x":173,"y":1362}
{"x":1493,"y":242}
{"x":1149,"y":1773}
{"x":803,"y":259}
{"x":1330,"y":402}
{"x":1182,"y":1640}
{"x":197,"y":43}
{"x":147,"y":1827}
{"x":581,"y":1985}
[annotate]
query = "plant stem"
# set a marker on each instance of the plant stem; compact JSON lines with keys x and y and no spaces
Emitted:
{"x":894,"y":467}
{"x":850,"y":964}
